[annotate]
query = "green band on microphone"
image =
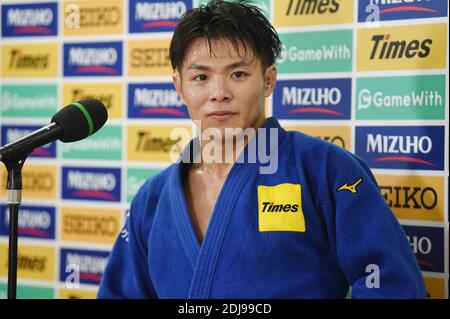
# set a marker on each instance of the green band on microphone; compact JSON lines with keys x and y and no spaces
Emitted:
{"x":87,"y":116}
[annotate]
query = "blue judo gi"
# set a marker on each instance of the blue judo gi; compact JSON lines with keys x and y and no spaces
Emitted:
{"x":312,"y":229}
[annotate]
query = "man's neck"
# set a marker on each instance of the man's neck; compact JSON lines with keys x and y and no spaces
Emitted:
{"x":219,"y":154}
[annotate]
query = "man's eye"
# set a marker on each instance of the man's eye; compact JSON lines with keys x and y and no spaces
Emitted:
{"x":239,"y":74}
{"x":201,"y":77}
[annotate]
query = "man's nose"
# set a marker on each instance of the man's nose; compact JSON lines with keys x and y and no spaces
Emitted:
{"x":219,"y":90}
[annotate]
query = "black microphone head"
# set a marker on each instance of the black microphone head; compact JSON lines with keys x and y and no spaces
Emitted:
{"x":80,"y":119}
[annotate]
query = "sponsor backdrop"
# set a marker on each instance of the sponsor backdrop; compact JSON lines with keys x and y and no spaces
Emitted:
{"x":370,"y":76}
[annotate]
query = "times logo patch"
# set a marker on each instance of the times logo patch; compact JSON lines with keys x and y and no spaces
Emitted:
{"x":280,"y":208}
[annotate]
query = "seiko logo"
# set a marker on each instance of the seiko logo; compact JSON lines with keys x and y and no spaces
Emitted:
{"x":311,"y":96}
{"x":270,"y":207}
{"x":415,"y":99}
{"x":87,"y":264}
{"x":383,"y":48}
{"x":305,"y":7}
{"x":333,"y":52}
{"x":151,"y":57}
{"x":420,"y":245}
{"x":31,"y":263}
{"x":159,"y":10}
{"x":91,"y":181}
{"x":38,"y":181}
{"x":155,"y":144}
{"x":99,"y":17}
{"x":398,"y":144}
{"x":20,"y":60}
{"x":156,"y":98}
{"x":90,"y":225}
{"x":78,"y":94}
{"x":92,"y":56}
{"x":29,"y":17}
{"x":410,"y":197}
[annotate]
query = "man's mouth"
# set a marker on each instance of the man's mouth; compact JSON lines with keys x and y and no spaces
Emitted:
{"x":221,"y":115}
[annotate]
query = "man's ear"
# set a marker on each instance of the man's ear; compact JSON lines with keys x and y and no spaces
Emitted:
{"x":270,"y":78}
{"x":177,"y":83}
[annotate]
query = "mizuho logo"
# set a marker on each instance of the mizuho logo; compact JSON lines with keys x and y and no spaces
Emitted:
{"x":420,"y":245}
{"x":35,"y":219}
{"x":92,"y":56}
{"x":270,"y":207}
{"x":384,"y":48}
{"x":393,"y":144}
{"x":156,"y":98}
{"x":29,"y":17}
{"x":390,"y":2}
{"x":13,"y":134}
{"x":311,"y":96}
{"x":32,"y":219}
{"x":88,"y":264}
{"x":91,"y":181}
{"x":159,"y":10}
{"x":396,"y":6}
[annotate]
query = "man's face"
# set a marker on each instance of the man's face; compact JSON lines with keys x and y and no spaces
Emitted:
{"x":225,"y":89}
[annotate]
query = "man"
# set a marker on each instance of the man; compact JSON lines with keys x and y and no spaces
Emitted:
{"x":310,"y":228}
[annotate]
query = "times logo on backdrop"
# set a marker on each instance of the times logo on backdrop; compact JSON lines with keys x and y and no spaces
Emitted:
{"x":397,"y":48}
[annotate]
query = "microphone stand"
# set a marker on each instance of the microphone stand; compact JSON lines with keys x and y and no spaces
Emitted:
{"x":14,"y":198}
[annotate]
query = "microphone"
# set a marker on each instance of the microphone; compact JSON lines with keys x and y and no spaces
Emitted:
{"x":72,"y":123}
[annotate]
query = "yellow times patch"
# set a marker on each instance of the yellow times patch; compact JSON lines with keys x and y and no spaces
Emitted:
{"x":280,"y":208}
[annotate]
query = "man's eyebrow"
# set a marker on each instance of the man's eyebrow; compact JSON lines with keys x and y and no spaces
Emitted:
{"x":228,"y":67}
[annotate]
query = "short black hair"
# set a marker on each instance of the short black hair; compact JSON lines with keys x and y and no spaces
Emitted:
{"x":238,"y":22}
